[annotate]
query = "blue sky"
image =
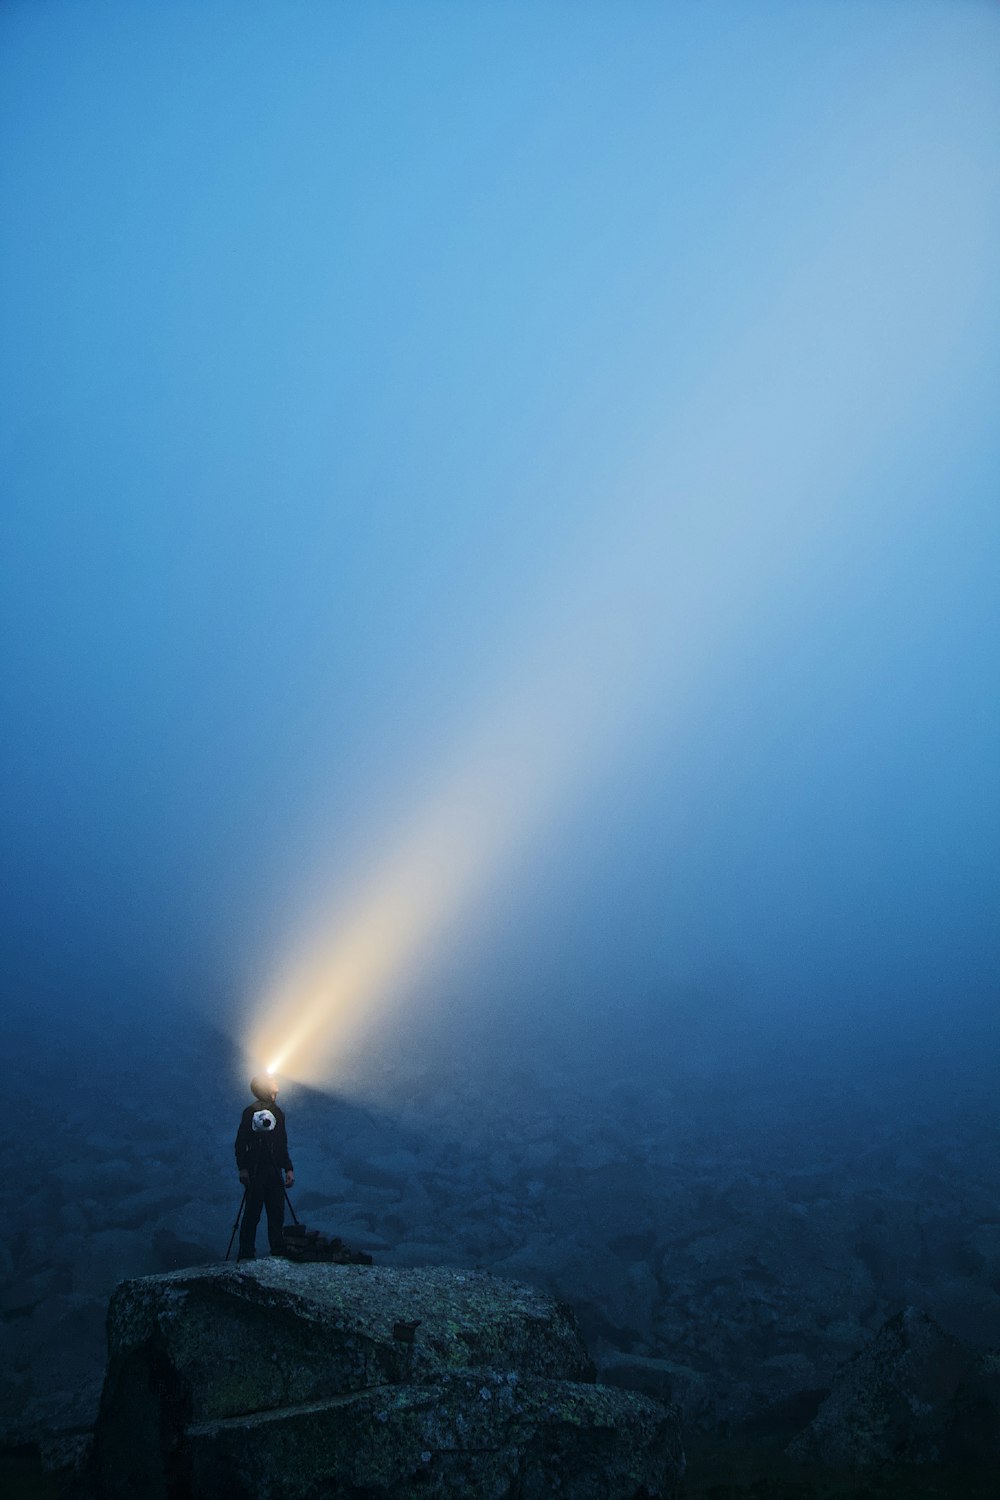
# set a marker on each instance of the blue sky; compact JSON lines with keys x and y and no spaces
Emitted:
{"x":372,"y":372}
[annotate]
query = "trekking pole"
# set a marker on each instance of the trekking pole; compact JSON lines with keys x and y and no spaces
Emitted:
{"x":236,"y":1224}
{"x":288,"y":1200}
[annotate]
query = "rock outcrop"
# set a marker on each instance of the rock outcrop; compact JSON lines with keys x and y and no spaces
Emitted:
{"x":913,"y":1395}
{"x":290,"y":1382}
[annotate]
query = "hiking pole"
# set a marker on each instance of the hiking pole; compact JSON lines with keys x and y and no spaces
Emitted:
{"x":236,"y":1224}
{"x":288,"y":1200}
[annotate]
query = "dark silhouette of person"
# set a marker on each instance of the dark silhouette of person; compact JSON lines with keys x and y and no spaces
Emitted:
{"x":264,"y":1165}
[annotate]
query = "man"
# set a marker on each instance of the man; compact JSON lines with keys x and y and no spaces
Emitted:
{"x":264,"y":1166}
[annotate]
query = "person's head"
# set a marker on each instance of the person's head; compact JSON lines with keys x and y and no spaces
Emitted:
{"x":264,"y":1087}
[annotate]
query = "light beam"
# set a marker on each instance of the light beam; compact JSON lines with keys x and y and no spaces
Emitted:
{"x":764,"y":464}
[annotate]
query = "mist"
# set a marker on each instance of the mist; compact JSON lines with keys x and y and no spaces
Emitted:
{"x":500,"y":547}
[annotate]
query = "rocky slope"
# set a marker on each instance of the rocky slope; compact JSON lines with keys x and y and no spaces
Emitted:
{"x":727,"y":1238}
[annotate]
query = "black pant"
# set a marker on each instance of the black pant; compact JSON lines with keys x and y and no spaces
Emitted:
{"x":266,"y":1190}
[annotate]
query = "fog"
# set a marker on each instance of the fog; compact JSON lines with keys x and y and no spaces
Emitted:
{"x":500,"y":552}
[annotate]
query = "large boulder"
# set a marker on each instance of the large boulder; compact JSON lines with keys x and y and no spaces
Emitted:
{"x":472,"y":1432}
{"x":291,"y":1382}
{"x":912,"y":1395}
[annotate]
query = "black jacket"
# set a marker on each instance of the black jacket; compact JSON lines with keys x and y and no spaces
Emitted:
{"x":258,"y":1148}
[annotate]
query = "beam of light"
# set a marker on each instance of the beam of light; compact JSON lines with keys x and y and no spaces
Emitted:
{"x":765,"y":463}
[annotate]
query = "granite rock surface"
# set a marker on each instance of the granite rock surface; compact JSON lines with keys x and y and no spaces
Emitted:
{"x":287,"y":1382}
{"x":912,"y":1396}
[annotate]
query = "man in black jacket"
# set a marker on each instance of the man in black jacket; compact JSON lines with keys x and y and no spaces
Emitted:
{"x":264,"y":1165}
